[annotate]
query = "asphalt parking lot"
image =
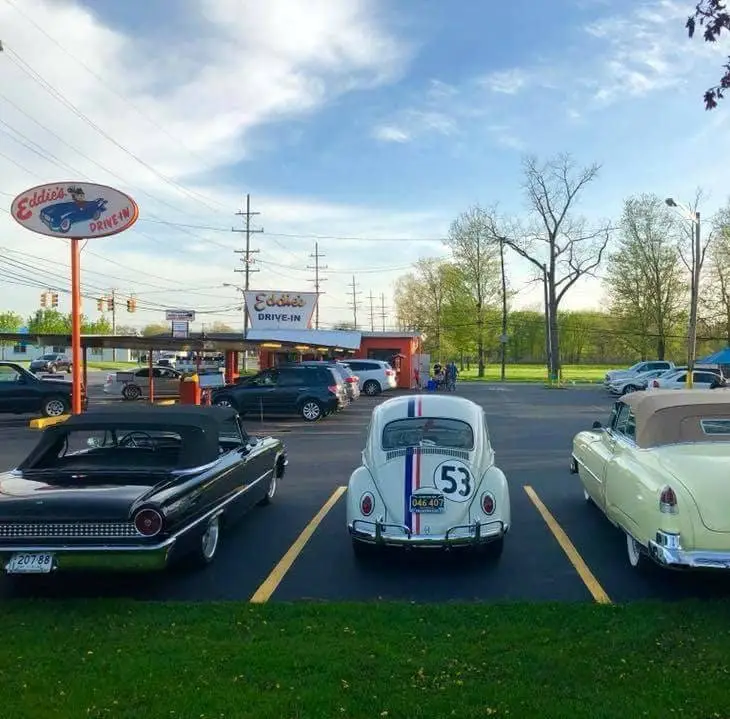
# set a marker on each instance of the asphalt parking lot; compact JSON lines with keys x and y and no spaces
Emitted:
{"x":566,"y":552}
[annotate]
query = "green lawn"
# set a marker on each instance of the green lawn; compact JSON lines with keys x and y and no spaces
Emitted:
{"x":538,"y":373}
{"x":396,"y":661}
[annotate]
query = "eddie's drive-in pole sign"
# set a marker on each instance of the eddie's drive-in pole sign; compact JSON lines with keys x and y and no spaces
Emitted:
{"x":78,"y":211}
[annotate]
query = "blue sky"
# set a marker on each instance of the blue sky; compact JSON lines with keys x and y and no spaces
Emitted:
{"x":357,"y":118}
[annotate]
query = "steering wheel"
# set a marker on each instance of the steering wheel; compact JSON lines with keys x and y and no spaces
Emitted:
{"x":129,"y":439}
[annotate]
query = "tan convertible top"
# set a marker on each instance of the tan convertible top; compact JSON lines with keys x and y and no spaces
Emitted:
{"x":670,"y":416}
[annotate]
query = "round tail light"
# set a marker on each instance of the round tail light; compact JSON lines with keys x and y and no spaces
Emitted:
{"x":148,"y":522}
{"x":488,"y":503}
{"x":367,"y":504}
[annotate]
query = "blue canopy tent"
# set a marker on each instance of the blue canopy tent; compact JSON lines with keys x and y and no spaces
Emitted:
{"x":721,"y":357}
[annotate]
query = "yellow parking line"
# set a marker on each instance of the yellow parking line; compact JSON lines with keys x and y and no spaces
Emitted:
{"x":568,"y":547}
{"x":269,"y":585}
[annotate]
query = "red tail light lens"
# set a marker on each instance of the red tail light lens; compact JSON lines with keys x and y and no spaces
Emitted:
{"x":488,"y":503}
{"x":333,"y":388}
{"x":668,"y":501}
{"x":351,"y":380}
{"x":367,"y":504}
{"x":148,"y":522}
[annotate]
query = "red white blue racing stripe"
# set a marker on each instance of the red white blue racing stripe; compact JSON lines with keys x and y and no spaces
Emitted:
{"x":412,"y":478}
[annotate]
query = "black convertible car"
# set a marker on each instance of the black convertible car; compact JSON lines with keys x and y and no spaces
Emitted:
{"x":114,"y":490}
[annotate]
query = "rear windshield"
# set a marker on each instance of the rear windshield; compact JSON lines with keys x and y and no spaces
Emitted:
{"x":715,"y":426}
{"x":435,"y":431}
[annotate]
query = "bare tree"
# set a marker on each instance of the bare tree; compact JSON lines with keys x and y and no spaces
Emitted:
{"x":475,"y":254}
{"x":646,"y":284}
{"x":559,"y":244}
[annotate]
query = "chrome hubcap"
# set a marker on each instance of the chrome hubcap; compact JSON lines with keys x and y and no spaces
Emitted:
{"x":634,"y":551}
{"x":311,"y":410}
{"x":210,"y":539}
{"x":54,"y":408}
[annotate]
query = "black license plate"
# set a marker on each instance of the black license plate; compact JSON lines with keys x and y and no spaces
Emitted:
{"x":424,"y":503}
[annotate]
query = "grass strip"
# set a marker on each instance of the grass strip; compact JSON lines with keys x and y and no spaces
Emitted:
{"x":384,"y":660}
{"x":537,"y":373}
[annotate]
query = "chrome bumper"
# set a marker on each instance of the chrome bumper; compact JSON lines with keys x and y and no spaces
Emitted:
{"x":369,"y":532}
{"x":667,"y":551}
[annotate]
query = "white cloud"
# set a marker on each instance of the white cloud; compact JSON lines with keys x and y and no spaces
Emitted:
{"x":507,"y":82}
{"x":188,"y":112}
{"x":391,"y":133}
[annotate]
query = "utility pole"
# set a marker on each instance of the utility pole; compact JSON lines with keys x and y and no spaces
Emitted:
{"x":503,"y":338}
{"x":114,"y":320}
{"x":317,"y":280}
{"x":355,"y":293}
{"x":383,"y":313}
{"x":247,"y":261}
{"x":372,"y":312}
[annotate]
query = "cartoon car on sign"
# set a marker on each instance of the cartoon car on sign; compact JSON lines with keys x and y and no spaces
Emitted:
{"x":428,"y":479}
{"x":63,"y":215}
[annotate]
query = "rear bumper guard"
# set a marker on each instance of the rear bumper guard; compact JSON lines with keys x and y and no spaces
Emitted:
{"x":369,"y":532}
{"x":667,"y":551}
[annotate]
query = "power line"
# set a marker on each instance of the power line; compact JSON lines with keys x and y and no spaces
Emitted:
{"x":317,"y":280}
{"x":354,"y":302}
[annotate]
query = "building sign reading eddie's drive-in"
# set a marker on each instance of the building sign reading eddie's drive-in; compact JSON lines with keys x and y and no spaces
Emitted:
{"x":280,"y":310}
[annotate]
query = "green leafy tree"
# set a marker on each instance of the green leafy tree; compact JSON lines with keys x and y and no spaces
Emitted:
{"x":49,"y":322}
{"x":155,"y":328}
{"x":9,"y":322}
{"x":645,"y":279}
{"x":476,"y":256}
{"x":100,"y":326}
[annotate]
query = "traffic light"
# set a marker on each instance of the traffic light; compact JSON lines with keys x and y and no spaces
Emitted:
{"x":100,"y":305}
{"x":131,"y":305}
{"x":54,"y":299}
{"x":110,"y":304}
{"x":44,"y":300}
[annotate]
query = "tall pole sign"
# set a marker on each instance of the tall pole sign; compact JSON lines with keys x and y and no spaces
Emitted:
{"x":76,"y":211}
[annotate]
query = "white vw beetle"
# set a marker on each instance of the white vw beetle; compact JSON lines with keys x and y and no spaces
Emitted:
{"x":428,"y":478}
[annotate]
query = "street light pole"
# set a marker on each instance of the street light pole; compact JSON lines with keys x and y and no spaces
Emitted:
{"x":694,"y":287}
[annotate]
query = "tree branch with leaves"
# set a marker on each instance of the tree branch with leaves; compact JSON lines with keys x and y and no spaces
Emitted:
{"x":713,"y":16}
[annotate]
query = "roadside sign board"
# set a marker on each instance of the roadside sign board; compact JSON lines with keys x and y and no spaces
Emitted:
{"x":180,"y":329}
{"x":81,"y":210}
{"x":180,"y":315}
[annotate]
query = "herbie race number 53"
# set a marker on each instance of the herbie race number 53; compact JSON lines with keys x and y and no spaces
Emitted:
{"x":454,"y":479}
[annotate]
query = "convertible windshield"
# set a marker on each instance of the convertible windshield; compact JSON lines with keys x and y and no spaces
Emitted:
{"x":428,"y":431}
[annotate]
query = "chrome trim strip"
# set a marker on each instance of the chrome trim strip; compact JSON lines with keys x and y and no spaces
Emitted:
{"x":676,"y":557}
{"x":585,"y":466}
{"x":145,"y":548}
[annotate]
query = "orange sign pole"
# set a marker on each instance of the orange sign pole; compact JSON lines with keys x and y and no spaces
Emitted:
{"x":76,"y":325}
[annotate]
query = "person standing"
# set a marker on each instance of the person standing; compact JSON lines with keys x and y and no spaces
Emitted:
{"x":451,"y":372}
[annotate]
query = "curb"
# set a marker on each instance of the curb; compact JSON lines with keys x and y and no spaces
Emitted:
{"x":43,"y":422}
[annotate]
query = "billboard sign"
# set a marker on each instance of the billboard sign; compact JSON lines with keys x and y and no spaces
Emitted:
{"x":180,"y":315}
{"x":180,"y":330}
{"x":274,"y":310}
{"x":80,"y":210}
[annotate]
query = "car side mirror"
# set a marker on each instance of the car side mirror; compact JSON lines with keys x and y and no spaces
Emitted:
{"x":597,"y":425}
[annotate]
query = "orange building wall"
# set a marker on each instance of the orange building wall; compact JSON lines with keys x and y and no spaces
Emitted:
{"x":406,"y":346}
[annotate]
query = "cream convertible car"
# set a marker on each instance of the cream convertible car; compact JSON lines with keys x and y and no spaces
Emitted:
{"x":428,"y":479}
{"x":661,"y":472}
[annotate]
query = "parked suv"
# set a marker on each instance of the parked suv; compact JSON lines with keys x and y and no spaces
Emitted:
{"x":51,"y":363}
{"x":375,"y":376}
{"x":312,"y":392}
{"x":352,"y":382}
{"x":22,"y":392}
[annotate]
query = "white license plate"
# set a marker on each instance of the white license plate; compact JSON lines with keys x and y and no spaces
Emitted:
{"x":30,"y":563}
